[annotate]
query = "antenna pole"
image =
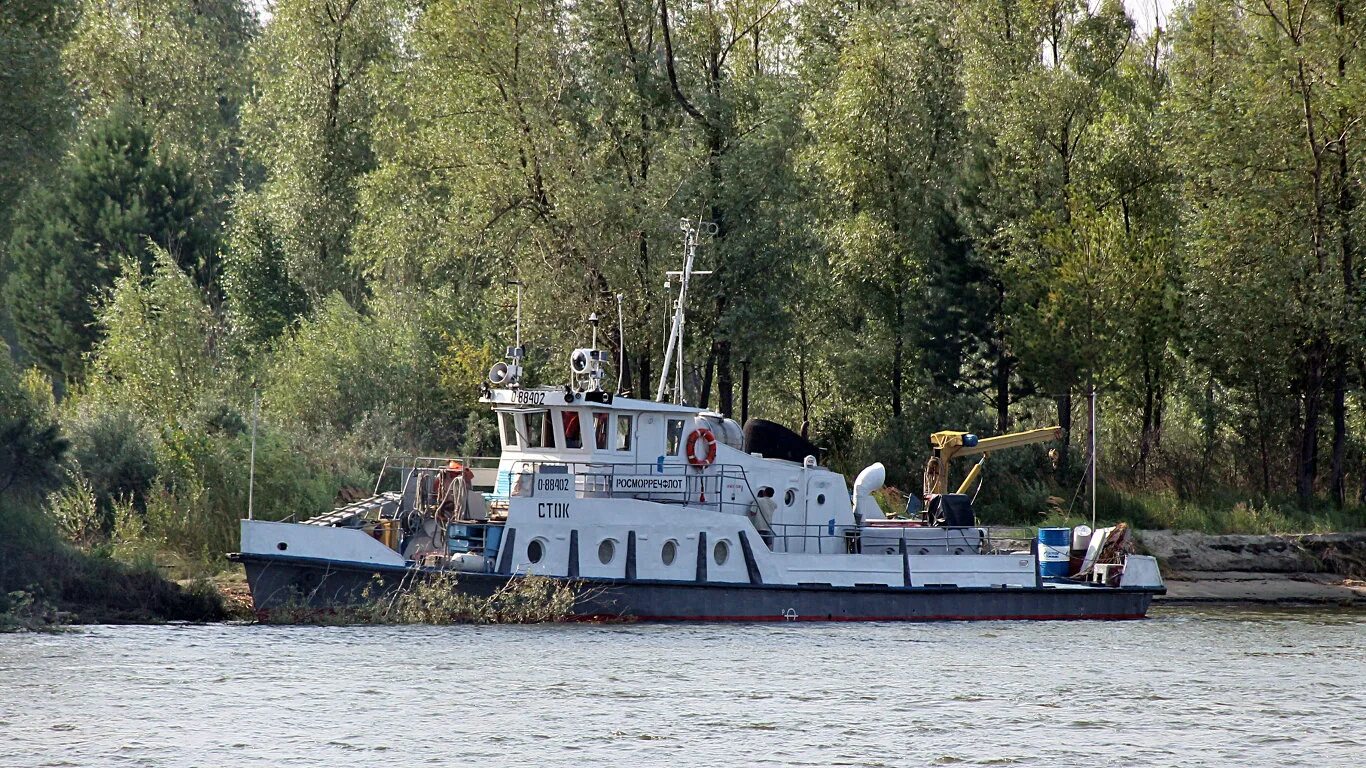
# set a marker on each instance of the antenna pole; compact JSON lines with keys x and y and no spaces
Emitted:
{"x":621,"y":345}
{"x":251,"y":473}
{"x":519,"y":314}
{"x":1093,"y":457}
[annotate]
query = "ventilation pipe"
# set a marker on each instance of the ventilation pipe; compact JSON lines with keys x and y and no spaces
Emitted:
{"x":869,"y":480}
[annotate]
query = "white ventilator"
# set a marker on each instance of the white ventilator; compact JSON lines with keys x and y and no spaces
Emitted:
{"x":870,"y":479}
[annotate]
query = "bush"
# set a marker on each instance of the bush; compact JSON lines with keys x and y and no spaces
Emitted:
{"x":63,"y":584}
{"x":116,"y":453}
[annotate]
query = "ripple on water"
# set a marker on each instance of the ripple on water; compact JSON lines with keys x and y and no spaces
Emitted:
{"x":1186,"y":687}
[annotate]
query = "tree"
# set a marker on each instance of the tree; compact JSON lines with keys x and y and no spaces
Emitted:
{"x":157,"y":351}
{"x":727,"y":73}
{"x":113,"y":196}
{"x":885,"y":137}
{"x":1268,"y":105}
{"x":178,"y":68}
{"x":310,"y":129}
{"x":33,"y":95}
{"x":1036,"y":78}
{"x":262,"y":300}
{"x":31,"y":445}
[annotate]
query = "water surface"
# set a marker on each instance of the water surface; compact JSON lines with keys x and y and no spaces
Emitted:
{"x":1186,"y":687}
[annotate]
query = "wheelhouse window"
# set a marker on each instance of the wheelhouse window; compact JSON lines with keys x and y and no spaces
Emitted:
{"x":573,"y":431}
{"x":508,"y":422}
{"x":540,"y":430}
{"x":673,"y":436}
{"x":600,"y":431}
{"x":623,"y":432}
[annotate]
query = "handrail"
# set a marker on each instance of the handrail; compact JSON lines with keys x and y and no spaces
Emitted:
{"x":706,"y":488}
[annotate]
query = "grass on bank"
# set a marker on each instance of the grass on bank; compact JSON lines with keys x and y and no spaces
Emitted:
{"x":1214,"y":513}
{"x":46,"y":582}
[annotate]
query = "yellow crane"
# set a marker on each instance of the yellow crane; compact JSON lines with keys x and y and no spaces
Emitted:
{"x":950,"y":445}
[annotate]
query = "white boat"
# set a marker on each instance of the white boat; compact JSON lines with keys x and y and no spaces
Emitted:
{"x":659,"y":510}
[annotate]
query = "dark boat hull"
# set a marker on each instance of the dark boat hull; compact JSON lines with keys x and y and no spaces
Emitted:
{"x":280,"y":583}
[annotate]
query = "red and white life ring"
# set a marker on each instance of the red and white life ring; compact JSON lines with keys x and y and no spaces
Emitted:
{"x":706,"y":454}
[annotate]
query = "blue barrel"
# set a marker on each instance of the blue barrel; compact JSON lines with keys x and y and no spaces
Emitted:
{"x":493,"y":536}
{"x":1054,"y":551}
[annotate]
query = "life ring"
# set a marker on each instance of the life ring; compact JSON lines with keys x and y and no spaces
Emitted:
{"x":708,"y":454}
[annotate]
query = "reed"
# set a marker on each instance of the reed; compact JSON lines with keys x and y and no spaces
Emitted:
{"x":437,"y":600}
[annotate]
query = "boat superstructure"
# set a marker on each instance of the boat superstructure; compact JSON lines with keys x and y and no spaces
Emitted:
{"x":671,"y":512}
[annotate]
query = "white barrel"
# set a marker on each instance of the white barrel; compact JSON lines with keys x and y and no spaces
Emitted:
{"x":1081,"y":538}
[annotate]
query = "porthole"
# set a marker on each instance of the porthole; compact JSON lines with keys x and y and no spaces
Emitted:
{"x":790,"y":496}
{"x":282,"y":546}
{"x":606,"y":551}
{"x":535,"y":551}
{"x":820,"y":498}
{"x":721,"y":552}
{"x":669,"y":553}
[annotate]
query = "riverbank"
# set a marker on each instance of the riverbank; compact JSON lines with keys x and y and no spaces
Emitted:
{"x":1308,"y":569}
{"x":46,"y":583}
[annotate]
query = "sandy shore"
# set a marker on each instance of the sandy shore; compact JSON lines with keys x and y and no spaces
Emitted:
{"x":1312,"y":569}
{"x":1244,"y":587}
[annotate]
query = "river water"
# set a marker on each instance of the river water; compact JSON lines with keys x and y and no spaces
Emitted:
{"x":1186,"y":687}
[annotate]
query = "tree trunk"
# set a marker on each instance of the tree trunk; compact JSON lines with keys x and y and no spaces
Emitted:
{"x":1338,"y":485}
{"x":1262,"y":437}
{"x":725,"y":382}
{"x":1307,"y":469}
{"x":643,"y":365}
{"x":705,"y":397}
{"x":1002,"y":392}
{"x":1145,"y":438}
{"x":744,"y":391}
{"x":1003,"y":365}
{"x":1064,"y":421}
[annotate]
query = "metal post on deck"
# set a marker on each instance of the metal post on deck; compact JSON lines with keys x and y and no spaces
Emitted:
{"x":251,"y":472}
{"x":1093,"y":456}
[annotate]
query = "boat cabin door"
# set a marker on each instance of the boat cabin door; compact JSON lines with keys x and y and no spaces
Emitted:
{"x":816,"y":488}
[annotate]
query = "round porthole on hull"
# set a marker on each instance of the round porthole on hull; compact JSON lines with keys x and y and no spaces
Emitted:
{"x":721,"y":552}
{"x":669,"y":552}
{"x":535,"y":551}
{"x":606,"y":551}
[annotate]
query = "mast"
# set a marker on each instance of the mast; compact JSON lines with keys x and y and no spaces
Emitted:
{"x":674,"y":346}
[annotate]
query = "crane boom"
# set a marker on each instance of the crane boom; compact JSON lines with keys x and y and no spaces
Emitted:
{"x":949,"y":445}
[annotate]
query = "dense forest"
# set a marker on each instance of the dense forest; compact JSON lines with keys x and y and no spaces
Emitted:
{"x":930,"y":214}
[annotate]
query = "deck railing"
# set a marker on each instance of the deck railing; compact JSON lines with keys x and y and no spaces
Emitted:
{"x":724,"y":487}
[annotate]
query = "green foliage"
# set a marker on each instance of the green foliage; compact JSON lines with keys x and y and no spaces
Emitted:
{"x":63,"y":585}
{"x":31,"y":446}
{"x":179,"y":67}
{"x":115,"y":199}
{"x":885,"y":149}
{"x":309,"y":128}
{"x":33,"y":97}
{"x":116,"y":453}
{"x":341,"y":370}
{"x":76,"y":512}
{"x":436,"y":600}
{"x":929,"y":215}
{"x":262,"y":299}
{"x":158,"y":355}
